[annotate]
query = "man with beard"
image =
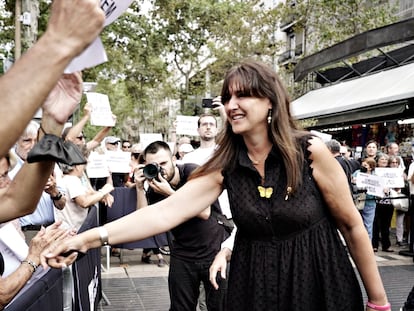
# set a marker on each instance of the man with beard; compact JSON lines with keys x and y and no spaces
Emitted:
{"x":195,"y":242}
{"x":207,"y":129}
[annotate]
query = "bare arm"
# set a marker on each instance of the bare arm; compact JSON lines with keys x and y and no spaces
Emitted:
{"x":58,"y":198}
{"x":87,"y":200}
{"x":96,"y":141}
{"x":139,"y":186}
{"x":32,"y":178}
{"x":35,"y":73}
{"x":145,"y":222}
{"x":77,"y":128}
{"x":13,"y":283}
{"x":332,"y":182}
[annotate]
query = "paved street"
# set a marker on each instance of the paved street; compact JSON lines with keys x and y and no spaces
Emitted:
{"x":132,"y":285}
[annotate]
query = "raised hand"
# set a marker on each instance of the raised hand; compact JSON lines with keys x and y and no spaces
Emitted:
{"x":75,"y":24}
{"x":64,"y":97}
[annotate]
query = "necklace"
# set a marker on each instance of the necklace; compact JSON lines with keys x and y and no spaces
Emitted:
{"x":257,"y":162}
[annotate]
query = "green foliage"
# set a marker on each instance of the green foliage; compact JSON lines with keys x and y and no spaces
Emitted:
{"x":327,"y":22}
{"x":167,"y":54}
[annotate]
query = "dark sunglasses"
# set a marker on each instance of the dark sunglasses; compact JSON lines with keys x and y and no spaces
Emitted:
{"x":116,"y":143}
{"x":126,"y":146}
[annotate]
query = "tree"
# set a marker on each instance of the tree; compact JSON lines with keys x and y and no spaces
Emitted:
{"x":326,"y":22}
{"x":210,"y":35}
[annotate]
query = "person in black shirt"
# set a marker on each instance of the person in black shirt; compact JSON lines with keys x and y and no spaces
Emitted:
{"x":195,"y":242}
{"x":334,"y":147}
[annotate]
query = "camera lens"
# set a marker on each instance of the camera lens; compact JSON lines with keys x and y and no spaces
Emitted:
{"x":151,"y":170}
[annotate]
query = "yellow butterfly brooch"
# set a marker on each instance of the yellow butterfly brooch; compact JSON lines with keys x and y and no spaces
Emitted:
{"x":265,"y":192}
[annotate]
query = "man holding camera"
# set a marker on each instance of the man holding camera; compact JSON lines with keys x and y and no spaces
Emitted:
{"x":195,"y":242}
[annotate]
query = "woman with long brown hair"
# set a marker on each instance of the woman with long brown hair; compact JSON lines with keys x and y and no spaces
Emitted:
{"x":288,"y":197}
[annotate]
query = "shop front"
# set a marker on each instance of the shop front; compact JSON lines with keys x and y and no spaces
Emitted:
{"x":379,"y":106}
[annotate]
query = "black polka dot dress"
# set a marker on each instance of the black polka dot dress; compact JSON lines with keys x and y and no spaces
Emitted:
{"x":288,"y":255}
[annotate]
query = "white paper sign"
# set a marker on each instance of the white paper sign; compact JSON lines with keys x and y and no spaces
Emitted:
{"x":95,"y":54}
{"x":118,"y":161}
{"x":101,"y":114}
{"x":97,"y":166}
{"x":13,"y":248}
{"x":148,"y":138}
{"x":392,"y":176}
{"x":187,"y":125}
{"x":171,"y":144}
{"x":373,"y":183}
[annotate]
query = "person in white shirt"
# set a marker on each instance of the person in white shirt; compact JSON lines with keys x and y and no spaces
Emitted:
{"x":80,"y":196}
{"x":207,"y":129}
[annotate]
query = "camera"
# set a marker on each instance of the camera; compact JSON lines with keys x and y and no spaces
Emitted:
{"x":151,"y":171}
{"x":207,"y":103}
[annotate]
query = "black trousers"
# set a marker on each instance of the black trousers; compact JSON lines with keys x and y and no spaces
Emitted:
{"x":184,"y":285}
{"x":382,"y":223}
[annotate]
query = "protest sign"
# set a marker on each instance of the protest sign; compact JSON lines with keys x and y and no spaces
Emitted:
{"x":147,"y":138}
{"x":372,"y":183}
{"x":97,"y":166}
{"x":101,"y":114}
{"x":95,"y":54}
{"x":392,"y":176}
{"x":187,"y":125}
{"x":118,"y":161}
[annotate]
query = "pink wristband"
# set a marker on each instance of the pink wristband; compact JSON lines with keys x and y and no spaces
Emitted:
{"x":385,"y":307}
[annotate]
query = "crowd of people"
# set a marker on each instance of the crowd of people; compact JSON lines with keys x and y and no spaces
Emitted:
{"x":381,"y":211}
{"x":291,"y":200}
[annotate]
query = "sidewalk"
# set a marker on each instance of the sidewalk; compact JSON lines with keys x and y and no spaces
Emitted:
{"x":133,"y":285}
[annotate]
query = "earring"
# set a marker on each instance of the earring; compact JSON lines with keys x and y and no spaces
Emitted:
{"x":269,"y":116}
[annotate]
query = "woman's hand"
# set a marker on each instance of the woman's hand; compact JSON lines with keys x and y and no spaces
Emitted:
{"x":219,"y":265}
{"x":63,"y":253}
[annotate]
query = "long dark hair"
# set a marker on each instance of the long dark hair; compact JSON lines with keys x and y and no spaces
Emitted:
{"x":257,"y":79}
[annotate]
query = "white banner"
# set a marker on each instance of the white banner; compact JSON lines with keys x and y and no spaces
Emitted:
{"x":187,"y":125}
{"x":147,"y":138}
{"x":118,"y":161}
{"x":372,"y":183}
{"x":101,"y":114}
{"x":393,"y":176}
{"x":97,"y":166}
{"x":95,"y":54}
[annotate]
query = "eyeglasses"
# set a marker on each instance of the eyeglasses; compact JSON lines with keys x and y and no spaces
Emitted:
{"x":205,"y":124}
{"x":80,"y":137}
{"x":115,"y":143}
{"x":394,"y":162}
{"x":126,"y":146}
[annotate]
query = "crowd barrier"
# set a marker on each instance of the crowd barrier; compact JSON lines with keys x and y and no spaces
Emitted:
{"x":125,"y":202}
{"x":44,"y":291}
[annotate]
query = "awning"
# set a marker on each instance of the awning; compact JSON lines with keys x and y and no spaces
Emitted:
{"x":381,"y":94}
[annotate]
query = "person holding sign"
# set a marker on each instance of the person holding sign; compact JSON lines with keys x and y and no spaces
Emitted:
{"x":383,"y":214}
{"x":368,"y":212}
{"x":394,"y":162}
